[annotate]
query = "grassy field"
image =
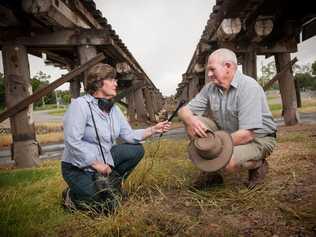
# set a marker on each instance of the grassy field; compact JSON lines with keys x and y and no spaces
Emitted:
{"x":162,"y":203}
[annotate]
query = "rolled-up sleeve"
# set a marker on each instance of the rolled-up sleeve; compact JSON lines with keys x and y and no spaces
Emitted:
{"x":79,"y":150}
{"x":127,"y":133}
{"x":200,"y":103}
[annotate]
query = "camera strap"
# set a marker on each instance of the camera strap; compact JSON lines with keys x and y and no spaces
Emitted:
{"x":97,"y":134}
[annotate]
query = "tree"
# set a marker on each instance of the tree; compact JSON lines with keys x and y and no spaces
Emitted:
{"x":65,"y":96}
{"x":304,"y":75}
{"x":314,"y":68}
{"x":267,"y":73}
{"x":39,"y":80}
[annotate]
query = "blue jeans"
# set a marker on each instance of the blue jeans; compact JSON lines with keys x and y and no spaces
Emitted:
{"x":82,"y":183}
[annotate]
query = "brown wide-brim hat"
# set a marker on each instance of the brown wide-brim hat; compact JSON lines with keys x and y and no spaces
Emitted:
{"x":201,"y":150}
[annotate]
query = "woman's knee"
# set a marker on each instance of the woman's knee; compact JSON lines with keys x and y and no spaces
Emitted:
{"x":140,"y":151}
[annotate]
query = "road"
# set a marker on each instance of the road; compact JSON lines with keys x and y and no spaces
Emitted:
{"x":39,"y":116}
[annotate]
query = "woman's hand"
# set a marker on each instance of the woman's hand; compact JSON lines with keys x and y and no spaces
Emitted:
{"x":101,"y":168}
{"x":161,"y":127}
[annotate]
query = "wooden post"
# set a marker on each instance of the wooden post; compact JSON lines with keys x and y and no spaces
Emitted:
{"x":74,"y":88}
{"x":287,"y":89}
{"x":184,"y":94}
{"x":193,"y":86}
{"x":298,"y":93}
{"x":25,"y":150}
{"x":149,"y":105}
{"x":86,"y":52}
{"x":131,"y":107}
{"x":158,"y":94}
{"x":154,"y":100}
{"x":140,"y":105}
{"x":249,"y":66}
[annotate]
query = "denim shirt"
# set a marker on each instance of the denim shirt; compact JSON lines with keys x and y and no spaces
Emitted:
{"x":243,"y":106}
{"x":81,"y":143}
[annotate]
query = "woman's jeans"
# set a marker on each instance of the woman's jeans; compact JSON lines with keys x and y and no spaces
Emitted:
{"x":82,"y":183}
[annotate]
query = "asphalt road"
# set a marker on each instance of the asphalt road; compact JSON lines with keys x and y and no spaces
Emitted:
{"x":40,"y":116}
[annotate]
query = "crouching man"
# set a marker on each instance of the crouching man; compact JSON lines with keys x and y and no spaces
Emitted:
{"x":239,"y":107}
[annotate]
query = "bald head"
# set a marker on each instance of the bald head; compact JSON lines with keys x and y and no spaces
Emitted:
{"x":224,"y":55}
{"x":221,"y":67}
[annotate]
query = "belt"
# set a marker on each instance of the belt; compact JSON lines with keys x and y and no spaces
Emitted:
{"x":271,"y":135}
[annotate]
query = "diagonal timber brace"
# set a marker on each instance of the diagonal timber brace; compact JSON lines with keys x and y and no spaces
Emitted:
{"x":49,"y":88}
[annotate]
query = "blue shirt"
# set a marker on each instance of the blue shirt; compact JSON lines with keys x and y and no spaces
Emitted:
{"x":81,"y":143}
{"x":244,"y":106}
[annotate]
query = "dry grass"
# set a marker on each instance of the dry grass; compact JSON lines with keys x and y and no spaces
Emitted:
{"x":50,"y":132}
{"x":161,"y":202}
{"x":53,"y":137}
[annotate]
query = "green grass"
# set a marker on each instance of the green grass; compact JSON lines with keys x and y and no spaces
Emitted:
{"x":307,"y":106}
{"x":162,"y":203}
{"x":275,"y":107}
{"x":30,"y":201}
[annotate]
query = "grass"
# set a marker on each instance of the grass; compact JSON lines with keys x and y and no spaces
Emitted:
{"x":161,"y":202}
{"x":308,"y":105}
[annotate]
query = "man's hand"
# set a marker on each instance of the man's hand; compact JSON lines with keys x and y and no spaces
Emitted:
{"x":195,"y":128}
{"x":101,"y":168}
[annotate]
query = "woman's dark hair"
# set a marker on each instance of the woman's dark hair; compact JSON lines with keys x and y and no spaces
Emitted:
{"x":97,"y":74}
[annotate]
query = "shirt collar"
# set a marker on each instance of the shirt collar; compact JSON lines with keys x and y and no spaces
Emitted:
{"x":236,"y":79}
{"x":234,"y":83}
{"x":89,"y":98}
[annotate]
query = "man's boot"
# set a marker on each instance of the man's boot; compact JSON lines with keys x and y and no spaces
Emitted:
{"x":206,"y":180}
{"x":256,"y":176}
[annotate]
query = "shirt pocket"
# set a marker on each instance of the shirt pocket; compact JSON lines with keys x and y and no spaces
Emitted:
{"x":215,"y":111}
{"x":232,"y":116}
{"x":103,"y":133}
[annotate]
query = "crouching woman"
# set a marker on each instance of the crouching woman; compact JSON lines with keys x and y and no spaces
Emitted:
{"x":92,"y":124}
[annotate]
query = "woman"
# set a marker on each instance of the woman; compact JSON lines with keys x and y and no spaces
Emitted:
{"x":92,"y":122}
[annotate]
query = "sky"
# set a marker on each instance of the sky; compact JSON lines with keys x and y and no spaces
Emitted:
{"x":162,"y":36}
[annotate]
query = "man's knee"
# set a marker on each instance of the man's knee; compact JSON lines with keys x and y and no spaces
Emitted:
{"x":232,"y":166}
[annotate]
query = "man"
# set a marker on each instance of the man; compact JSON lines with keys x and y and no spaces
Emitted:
{"x":238,"y":105}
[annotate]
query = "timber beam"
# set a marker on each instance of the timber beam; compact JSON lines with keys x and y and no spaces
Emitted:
{"x":85,"y":14}
{"x":228,"y":29}
{"x":49,"y":88}
{"x":54,"y":13}
{"x":286,"y":46}
{"x":65,"y":38}
{"x":7,"y":17}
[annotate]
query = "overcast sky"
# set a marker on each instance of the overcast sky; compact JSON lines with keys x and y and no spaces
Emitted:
{"x":162,"y":36}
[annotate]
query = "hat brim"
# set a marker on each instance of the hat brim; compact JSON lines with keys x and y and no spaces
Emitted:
{"x":217,"y":163}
